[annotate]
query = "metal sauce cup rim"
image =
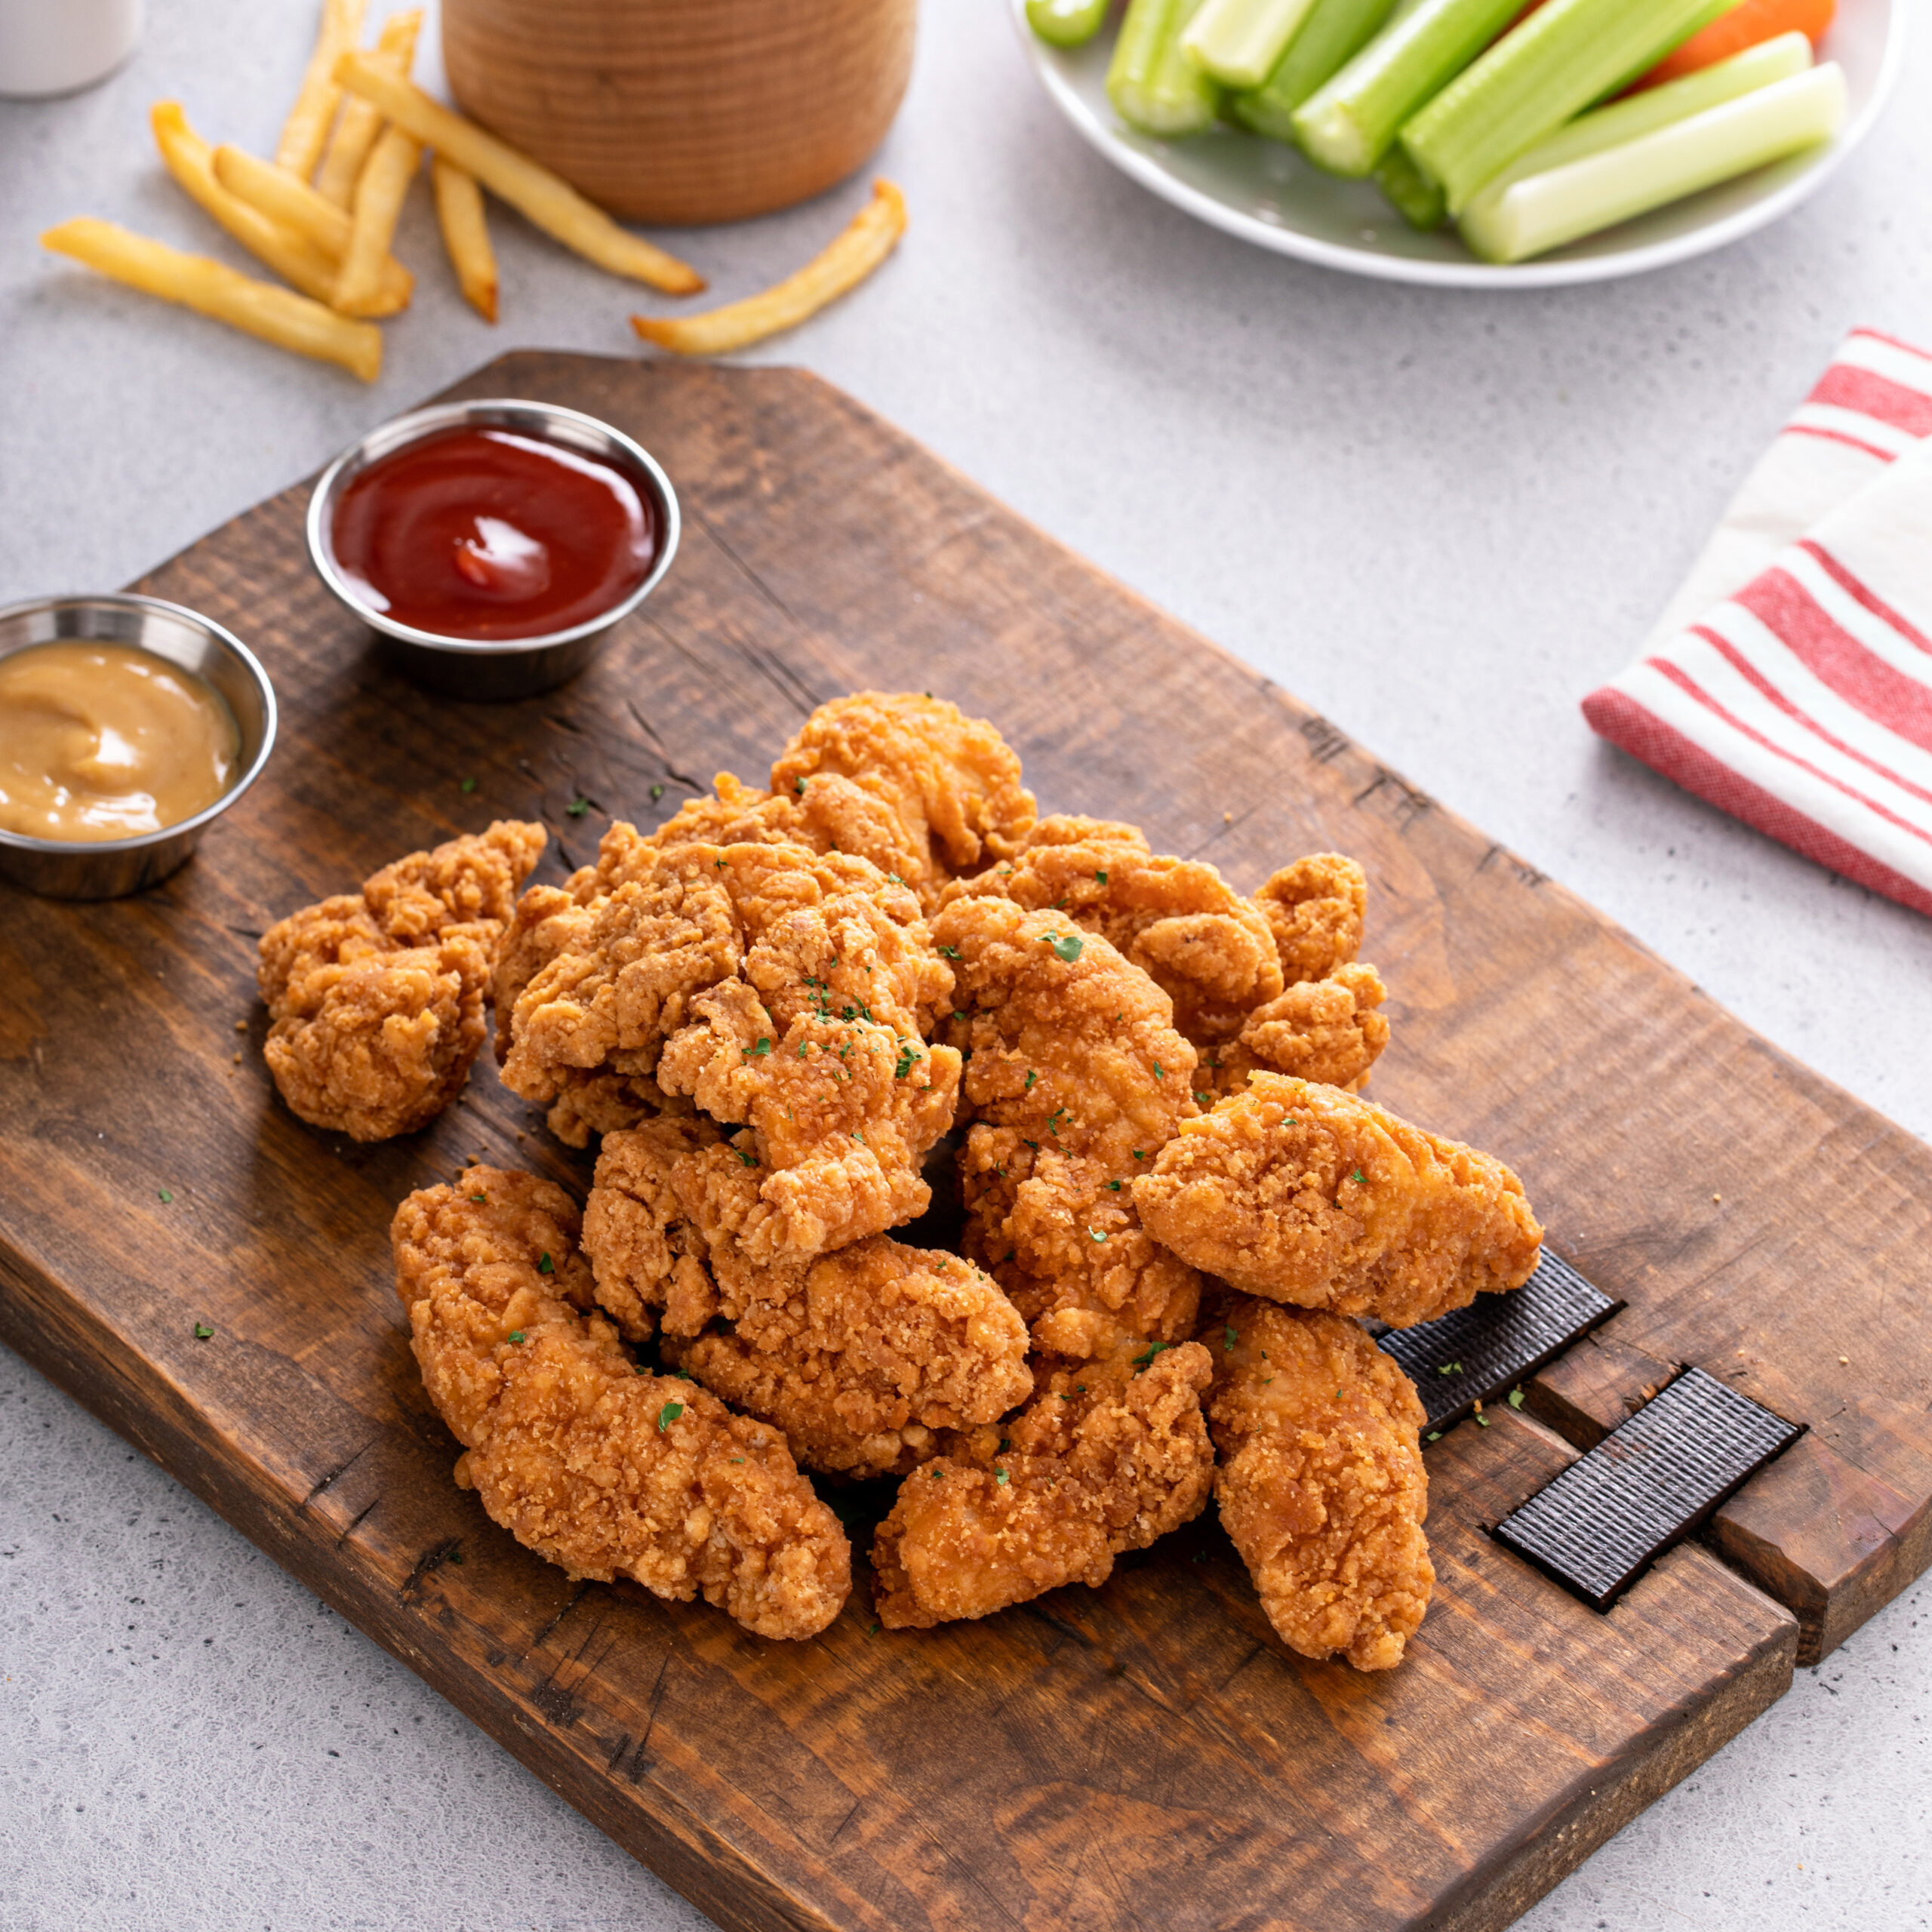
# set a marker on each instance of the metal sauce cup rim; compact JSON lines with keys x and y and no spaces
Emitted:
{"x":130,"y":600}
{"x":399,"y":433}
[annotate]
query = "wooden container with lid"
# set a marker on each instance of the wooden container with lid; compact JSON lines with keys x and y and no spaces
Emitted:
{"x":685,"y":110}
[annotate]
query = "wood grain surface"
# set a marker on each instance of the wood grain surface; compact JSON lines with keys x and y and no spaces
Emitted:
{"x":1145,"y":1753}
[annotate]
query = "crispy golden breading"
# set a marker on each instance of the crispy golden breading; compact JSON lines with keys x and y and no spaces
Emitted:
{"x":375,"y":1001}
{"x":830,"y":814}
{"x":1206,"y":948}
{"x":1315,"y":908}
{"x":1076,"y":1080}
{"x":646,"y":1248}
{"x":1321,"y":1485}
{"x":862,"y":1355}
{"x":1325,"y":1030}
{"x":1305,"y":1194}
{"x":953,"y":781}
{"x":1103,"y":1459}
{"x":596,"y":1466}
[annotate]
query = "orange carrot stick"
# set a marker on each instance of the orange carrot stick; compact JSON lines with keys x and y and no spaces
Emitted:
{"x":1748,"y":24}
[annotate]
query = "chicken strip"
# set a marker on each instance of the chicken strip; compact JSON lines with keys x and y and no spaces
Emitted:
{"x":376,"y":1000}
{"x":874,"y":1349}
{"x":953,"y":781}
{"x":1324,"y":1030}
{"x":595,"y":1465}
{"x":1104,"y":1459}
{"x":1076,"y":1079}
{"x":829,"y":813}
{"x":1321,"y":1485}
{"x":1305,"y":1194}
{"x":1316,"y":908}
{"x":1209,"y":949}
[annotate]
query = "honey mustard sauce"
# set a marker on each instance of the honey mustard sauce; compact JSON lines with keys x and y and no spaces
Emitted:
{"x":101,"y":741}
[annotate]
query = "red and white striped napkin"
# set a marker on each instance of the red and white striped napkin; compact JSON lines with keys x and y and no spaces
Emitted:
{"x":1790,"y":681}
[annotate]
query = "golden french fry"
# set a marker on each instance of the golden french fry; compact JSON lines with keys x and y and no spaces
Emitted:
{"x":550,"y":203}
{"x":359,"y":125}
{"x":385,"y":180}
{"x":866,"y":239}
{"x":210,"y":288}
{"x":294,"y":257}
{"x":465,"y":235}
{"x":283,"y":198}
{"x":307,"y":126}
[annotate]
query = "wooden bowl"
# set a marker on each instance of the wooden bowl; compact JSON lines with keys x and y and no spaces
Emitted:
{"x":685,"y":110}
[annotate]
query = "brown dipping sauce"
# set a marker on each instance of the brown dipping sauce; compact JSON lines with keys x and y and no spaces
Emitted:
{"x":101,"y":741}
{"x":484,"y":534}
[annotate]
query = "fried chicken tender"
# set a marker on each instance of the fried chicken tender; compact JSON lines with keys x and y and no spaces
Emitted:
{"x":1076,"y":1080}
{"x":1316,"y":908}
{"x":1324,"y":1030}
{"x":1207,"y":948}
{"x":376,"y":1000}
{"x":598,"y":1467}
{"x":1103,"y":1459}
{"x":1321,"y":1485}
{"x":647,"y":1249}
{"x":1305,"y":1194}
{"x":830,"y":813}
{"x":953,"y":781}
{"x":862,"y":1355}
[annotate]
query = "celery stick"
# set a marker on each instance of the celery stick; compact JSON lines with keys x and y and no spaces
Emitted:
{"x":1238,"y":42}
{"x":1155,"y":88}
{"x":1334,"y":33}
{"x":1347,"y":125}
{"x":1418,"y":200}
{"x":1655,"y":107}
{"x":1543,"y":211}
{"x":1065,"y":22}
{"x":1564,"y":56}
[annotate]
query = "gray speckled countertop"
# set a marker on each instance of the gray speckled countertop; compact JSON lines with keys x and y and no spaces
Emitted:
{"x":1440,"y":518}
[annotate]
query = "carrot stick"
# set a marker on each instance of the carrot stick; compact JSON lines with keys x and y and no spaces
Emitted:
{"x":1748,"y":24}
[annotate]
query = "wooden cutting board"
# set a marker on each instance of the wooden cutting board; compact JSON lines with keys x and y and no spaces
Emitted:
{"x":1147,"y":1753}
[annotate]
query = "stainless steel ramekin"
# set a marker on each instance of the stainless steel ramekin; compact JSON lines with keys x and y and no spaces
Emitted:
{"x":107,"y":868}
{"x":492,"y":668}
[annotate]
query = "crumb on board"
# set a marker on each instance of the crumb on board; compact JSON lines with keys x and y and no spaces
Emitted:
{"x":1717,"y":1197}
{"x":241,"y":1025}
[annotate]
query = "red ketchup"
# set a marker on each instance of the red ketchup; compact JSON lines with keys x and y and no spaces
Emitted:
{"x":485,"y":533}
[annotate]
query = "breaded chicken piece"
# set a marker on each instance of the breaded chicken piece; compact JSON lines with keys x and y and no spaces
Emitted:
{"x":862,"y":1355}
{"x":376,"y":1000}
{"x":829,"y":814}
{"x":647,"y":1251}
{"x":1206,"y":948}
{"x":1076,"y":1079}
{"x":1325,"y":1030}
{"x":1103,"y":1459}
{"x":1305,"y":1194}
{"x":1316,"y":908}
{"x":1321,"y":1485}
{"x":953,"y":781}
{"x":597,"y":1467}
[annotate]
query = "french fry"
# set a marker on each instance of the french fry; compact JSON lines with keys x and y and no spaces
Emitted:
{"x":379,"y":190}
{"x":307,"y":126}
{"x":465,"y":235}
{"x":210,"y":288}
{"x":866,"y":239}
{"x":284,"y":198}
{"x":357,"y":125}
{"x":551,"y":203}
{"x":294,"y":257}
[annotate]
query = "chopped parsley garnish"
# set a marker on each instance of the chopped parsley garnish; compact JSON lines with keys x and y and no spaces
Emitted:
{"x":1113,"y":1187}
{"x":482,"y":1200}
{"x":951,"y":952}
{"x":802,"y":1045}
{"x":1450,"y":1368}
{"x":1204,"y":1100}
{"x":1100,"y":878}
{"x":1434,"y":1435}
{"x":1158,"y":1074}
{"x":657,"y":792}
{"x":1233,"y":1336}
{"x":908,"y":1054}
{"x":1034,"y":1144}
{"x":1067,"y":949}
{"x":545,"y":1265}
{"x":758,"y":1052}
{"x":1096,"y":1234}
{"x":871,"y":1629}
{"x":515,"y":1335}
{"x":1482,"y":1422}
{"x":1054,"y":1120}
{"x":668,"y":1414}
{"x":895,"y":878}
{"x":1360,"y":1179}
{"x":578,"y":806}
{"x":1515,"y":1398}
{"x":1031,"y":1077}
{"x":750,"y":1160}
{"x":166,"y":1196}
{"x":468,"y":785}
{"x":939,"y":1475}
{"x":1141,"y":1361}
{"x":202,"y":1331}
{"x":999,"y":1475}
{"x":858,"y":1137}
{"x":1138,"y":1155}
{"x":800,"y":788}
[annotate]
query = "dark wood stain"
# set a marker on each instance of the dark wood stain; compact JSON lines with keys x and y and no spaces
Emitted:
{"x":1145,"y":1754}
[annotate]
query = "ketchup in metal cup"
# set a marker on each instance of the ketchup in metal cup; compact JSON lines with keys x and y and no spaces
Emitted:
{"x":485,"y":533}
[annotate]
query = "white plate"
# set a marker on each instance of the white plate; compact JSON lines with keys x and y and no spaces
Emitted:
{"x":1269,"y":195}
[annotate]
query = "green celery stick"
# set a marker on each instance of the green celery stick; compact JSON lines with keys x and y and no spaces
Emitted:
{"x":1065,"y":22}
{"x":1155,"y":88}
{"x":1334,"y":33}
{"x":1623,"y":121}
{"x":1349,"y":124}
{"x":1417,"y":199}
{"x":1543,"y":211}
{"x":1238,"y":42}
{"x":1567,"y":55}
